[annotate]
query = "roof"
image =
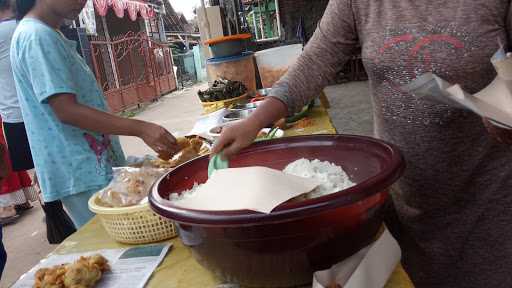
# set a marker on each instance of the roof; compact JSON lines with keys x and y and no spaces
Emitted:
{"x":173,"y":21}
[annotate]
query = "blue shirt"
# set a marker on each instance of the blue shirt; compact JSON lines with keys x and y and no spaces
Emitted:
{"x":68,"y":160}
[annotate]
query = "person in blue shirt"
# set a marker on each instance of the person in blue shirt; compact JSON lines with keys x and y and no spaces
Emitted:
{"x":71,"y":134}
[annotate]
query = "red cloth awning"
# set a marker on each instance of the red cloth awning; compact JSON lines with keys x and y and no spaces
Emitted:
{"x":119,"y":6}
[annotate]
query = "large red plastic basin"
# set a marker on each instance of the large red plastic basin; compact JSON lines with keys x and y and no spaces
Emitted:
{"x":285,"y":248}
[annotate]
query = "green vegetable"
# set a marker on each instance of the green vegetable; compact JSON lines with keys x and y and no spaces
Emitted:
{"x":222,"y":89}
{"x":301,"y":114}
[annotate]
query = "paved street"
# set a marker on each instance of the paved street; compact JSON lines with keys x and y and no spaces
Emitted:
{"x":351,"y":108}
{"x":26,"y":241}
{"x":176,"y":112}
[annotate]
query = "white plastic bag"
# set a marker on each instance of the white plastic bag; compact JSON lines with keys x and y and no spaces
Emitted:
{"x":369,"y":268}
{"x":129,"y":186}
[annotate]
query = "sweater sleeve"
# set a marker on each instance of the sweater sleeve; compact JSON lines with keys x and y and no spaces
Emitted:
{"x":333,"y":43}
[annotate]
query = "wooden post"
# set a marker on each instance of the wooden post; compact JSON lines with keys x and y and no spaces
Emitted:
{"x":207,"y":21}
{"x":110,"y":51}
{"x":206,"y":51}
{"x":278,"y":15}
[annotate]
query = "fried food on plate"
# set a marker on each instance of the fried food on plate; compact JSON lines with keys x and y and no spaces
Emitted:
{"x":184,"y":155}
{"x":190,"y":149}
{"x":183,"y":142}
{"x":84,"y":273}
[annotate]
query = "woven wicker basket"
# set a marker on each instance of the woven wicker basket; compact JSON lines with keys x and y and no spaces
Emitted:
{"x":210,"y":107}
{"x":133,"y":225}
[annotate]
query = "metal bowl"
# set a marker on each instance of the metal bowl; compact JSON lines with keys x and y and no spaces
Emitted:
{"x":246,"y":106}
{"x":237,"y":115}
{"x":260,"y":93}
{"x":215,"y":132}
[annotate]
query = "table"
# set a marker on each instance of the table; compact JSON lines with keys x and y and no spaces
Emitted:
{"x":179,"y":269}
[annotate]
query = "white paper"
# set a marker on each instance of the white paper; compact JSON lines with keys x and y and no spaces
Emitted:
{"x":503,"y":64}
{"x":369,"y":268}
{"x":207,"y":122}
{"x":341,"y":272}
{"x":130,"y":267}
{"x":430,"y":87}
{"x":250,"y":188}
{"x":493,"y":102}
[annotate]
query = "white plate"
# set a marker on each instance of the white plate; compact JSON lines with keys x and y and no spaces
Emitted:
{"x":215,"y":136}
{"x":279,"y":133}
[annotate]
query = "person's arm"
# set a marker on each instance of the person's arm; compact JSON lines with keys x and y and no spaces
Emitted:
{"x":332,"y":44}
{"x":43,"y":59}
{"x":70,"y":112}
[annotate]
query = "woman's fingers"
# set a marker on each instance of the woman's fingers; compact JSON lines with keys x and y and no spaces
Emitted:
{"x":234,"y":138}
{"x":224,"y":140}
{"x":231,"y":150}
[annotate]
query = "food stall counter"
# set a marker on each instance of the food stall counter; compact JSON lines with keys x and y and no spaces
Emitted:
{"x":179,"y":269}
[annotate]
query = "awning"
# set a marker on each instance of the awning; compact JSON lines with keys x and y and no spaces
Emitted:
{"x":134,"y":8}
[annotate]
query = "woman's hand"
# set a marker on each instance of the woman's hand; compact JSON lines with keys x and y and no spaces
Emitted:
{"x":159,"y":139}
{"x":235,"y":137}
{"x":242,"y":133}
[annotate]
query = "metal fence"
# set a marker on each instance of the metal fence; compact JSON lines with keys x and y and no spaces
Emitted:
{"x":186,"y":73}
{"x":132,"y":69}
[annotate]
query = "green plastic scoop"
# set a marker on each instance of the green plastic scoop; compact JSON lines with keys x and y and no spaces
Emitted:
{"x":216,"y":163}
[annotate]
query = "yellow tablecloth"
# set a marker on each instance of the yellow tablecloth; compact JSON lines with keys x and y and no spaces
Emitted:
{"x":320,"y":124}
{"x":179,"y":269}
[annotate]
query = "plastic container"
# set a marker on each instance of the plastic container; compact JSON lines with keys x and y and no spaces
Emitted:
{"x":284,"y":248}
{"x":237,"y":68}
{"x":274,"y":63}
{"x":133,"y":225}
{"x":227,"y":46}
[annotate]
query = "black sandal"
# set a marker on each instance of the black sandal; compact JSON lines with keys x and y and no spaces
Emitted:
{"x":9,"y":220}
{"x":23,"y":208}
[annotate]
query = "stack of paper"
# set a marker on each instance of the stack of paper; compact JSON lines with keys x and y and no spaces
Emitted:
{"x":493,"y":102}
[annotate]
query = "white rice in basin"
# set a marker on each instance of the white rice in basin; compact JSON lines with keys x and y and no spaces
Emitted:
{"x":331,"y":176}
